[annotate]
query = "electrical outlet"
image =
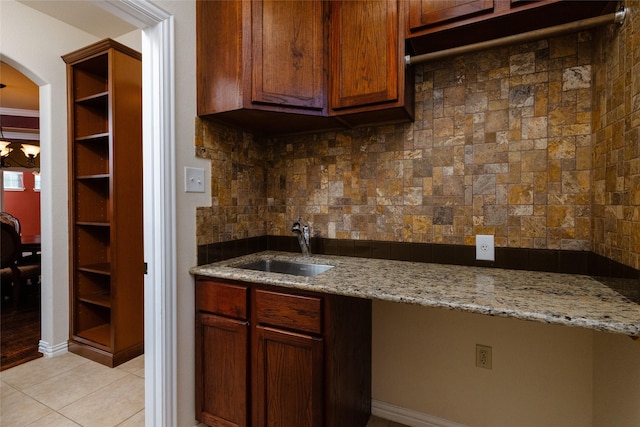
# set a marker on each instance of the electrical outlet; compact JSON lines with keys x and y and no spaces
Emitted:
{"x":485,"y":248}
{"x":483,"y":356}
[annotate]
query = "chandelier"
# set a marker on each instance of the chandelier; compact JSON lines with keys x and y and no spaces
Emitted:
{"x":30,"y":151}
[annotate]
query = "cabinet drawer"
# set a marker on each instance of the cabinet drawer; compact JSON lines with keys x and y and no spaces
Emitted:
{"x":295,"y":312}
{"x":221,"y":298}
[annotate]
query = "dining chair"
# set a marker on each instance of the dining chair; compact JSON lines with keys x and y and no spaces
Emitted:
{"x":11,"y":220}
{"x":12,"y":273}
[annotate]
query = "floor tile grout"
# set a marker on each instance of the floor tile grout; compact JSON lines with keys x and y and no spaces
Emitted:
{"x":70,"y":413}
{"x":13,"y":381}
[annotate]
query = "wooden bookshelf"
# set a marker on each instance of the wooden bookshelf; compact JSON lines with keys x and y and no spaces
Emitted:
{"x":105,"y":191}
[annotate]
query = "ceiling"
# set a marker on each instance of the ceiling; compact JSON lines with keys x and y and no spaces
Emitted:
{"x":19,"y":106}
{"x":85,"y":15}
{"x":20,"y":93}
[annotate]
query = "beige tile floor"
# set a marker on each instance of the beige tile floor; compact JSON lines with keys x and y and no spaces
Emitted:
{"x":71,"y":391}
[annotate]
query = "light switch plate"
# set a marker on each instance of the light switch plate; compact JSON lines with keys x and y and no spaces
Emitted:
{"x":485,"y":247}
{"x":193,"y":180}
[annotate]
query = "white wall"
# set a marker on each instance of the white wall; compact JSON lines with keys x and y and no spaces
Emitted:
{"x":185,"y":89}
{"x":132,"y":39}
{"x":34,"y":43}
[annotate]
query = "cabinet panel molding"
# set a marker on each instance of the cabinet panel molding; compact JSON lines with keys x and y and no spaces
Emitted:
{"x":289,"y":379}
{"x":424,"y":13}
{"x":287,"y":311}
{"x":222,"y":361}
{"x":222,"y":298}
{"x":364,"y":53}
{"x":288,"y":53}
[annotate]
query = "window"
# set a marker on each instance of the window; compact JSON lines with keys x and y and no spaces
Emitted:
{"x":36,"y":182}
{"x":13,"y":181}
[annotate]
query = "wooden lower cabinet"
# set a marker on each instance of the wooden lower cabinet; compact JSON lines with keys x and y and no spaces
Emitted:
{"x":268,"y":357}
{"x":222,"y":348}
{"x":288,"y":379}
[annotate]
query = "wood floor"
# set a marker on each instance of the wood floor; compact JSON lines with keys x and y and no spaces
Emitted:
{"x":20,"y":329}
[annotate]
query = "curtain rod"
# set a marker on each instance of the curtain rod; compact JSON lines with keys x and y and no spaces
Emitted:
{"x":612,"y":18}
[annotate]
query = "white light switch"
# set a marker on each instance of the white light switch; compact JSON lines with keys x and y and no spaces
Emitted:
{"x":193,"y":180}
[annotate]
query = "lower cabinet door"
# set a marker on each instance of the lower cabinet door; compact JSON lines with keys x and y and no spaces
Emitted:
{"x":288,"y":382}
{"x":222,"y":346}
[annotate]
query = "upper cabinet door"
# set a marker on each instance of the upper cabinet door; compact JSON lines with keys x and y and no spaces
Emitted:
{"x":423,"y":13}
{"x":365,"y":53}
{"x":288,"y":53}
{"x":222,"y":39}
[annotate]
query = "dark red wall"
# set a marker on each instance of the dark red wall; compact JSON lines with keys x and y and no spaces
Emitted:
{"x":25,"y":205}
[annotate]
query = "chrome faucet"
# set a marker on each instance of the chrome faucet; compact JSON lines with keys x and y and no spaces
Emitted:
{"x":302,"y":230}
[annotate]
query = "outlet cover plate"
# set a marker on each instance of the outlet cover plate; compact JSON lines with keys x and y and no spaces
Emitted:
{"x":193,"y":180}
{"x":484,"y":356}
{"x":485,"y":247}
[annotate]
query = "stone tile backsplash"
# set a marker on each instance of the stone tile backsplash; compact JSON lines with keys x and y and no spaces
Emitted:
{"x":616,"y":129}
{"x":503,"y":144}
{"x":238,"y":184}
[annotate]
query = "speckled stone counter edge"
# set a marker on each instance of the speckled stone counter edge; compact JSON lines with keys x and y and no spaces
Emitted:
{"x":555,"y":298}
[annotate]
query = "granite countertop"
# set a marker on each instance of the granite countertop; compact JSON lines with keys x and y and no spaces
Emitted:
{"x":564,"y":299}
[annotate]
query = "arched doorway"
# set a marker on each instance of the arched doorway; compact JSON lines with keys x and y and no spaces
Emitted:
{"x":20,"y":201}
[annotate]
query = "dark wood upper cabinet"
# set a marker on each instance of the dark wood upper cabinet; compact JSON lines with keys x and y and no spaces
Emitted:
{"x":425,"y":13}
{"x":261,"y":64}
{"x":220,"y":62}
{"x":434,"y":25}
{"x":288,"y":54}
{"x":364,"y":53}
{"x":264,"y":65}
{"x":367,"y":72}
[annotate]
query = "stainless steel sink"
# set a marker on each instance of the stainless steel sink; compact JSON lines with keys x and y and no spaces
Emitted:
{"x":286,"y":267}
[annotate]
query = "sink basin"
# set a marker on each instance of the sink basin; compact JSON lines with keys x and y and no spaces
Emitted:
{"x":286,"y":267}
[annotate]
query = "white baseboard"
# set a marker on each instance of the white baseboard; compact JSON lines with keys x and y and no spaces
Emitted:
{"x":52,"y":350}
{"x":408,"y":416}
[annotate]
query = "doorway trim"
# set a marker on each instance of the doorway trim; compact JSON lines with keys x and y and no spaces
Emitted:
{"x":159,"y":203}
